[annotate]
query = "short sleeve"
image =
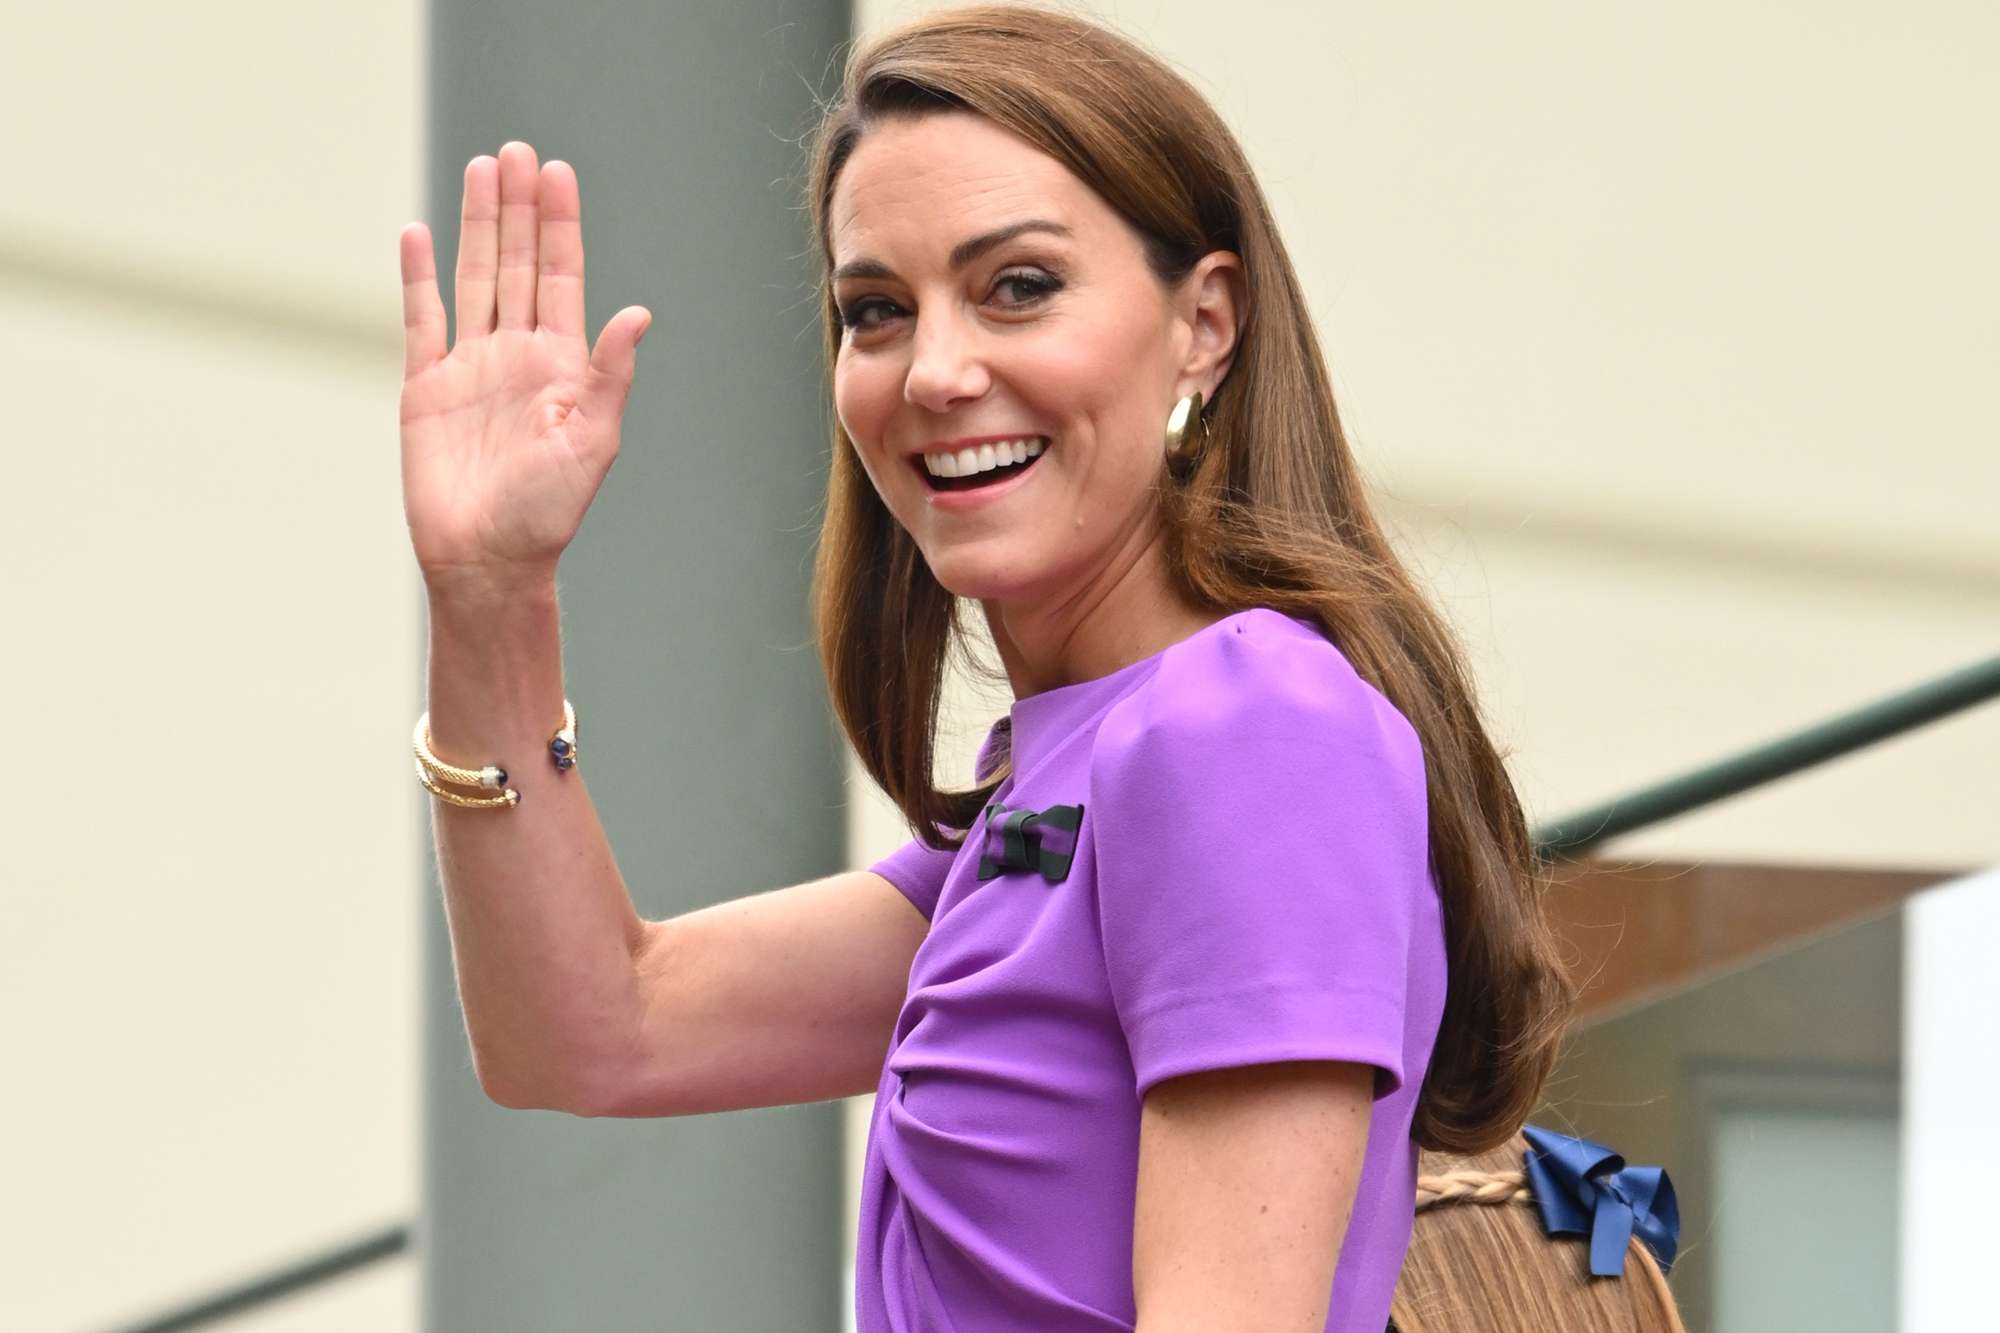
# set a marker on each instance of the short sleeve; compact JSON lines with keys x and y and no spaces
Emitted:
{"x":919,"y":871}
{"x":1262,"y":848}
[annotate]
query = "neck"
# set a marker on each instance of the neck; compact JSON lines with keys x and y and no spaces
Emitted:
{"x":1128,"y":614}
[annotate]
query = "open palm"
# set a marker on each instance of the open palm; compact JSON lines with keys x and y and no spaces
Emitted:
{"x":508,"y":436}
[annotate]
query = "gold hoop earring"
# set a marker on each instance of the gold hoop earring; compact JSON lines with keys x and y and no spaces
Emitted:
{"x":1187,"y":433}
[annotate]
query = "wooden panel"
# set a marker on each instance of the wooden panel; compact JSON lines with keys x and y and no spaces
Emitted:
{"x":1636,"y":931}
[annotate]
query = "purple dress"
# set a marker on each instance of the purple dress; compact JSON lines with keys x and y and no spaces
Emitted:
{"x":1248,"y":879}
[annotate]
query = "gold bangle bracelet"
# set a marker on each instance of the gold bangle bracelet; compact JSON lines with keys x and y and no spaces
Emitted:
{"x":509,"y":797}
{"x":431,"y":770}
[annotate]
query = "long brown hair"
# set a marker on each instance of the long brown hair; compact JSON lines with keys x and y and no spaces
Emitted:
{"x":1275,"y":516}
{"x":1479,"y":1261}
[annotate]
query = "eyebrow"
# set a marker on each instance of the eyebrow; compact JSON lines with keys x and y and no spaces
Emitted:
{"x":961,"y":254}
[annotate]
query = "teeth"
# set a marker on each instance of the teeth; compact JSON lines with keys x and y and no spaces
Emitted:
{"x":984,"y":457}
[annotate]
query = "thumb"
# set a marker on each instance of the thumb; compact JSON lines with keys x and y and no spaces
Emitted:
{"x":616,"y":356}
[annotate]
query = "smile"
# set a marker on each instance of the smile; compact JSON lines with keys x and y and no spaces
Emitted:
{"x":983,"y":465}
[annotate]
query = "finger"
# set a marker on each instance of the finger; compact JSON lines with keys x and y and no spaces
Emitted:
{"x":519,"y":180}
{"x":559,"y":296}
{"x":478,"y":244}
{"x":423,"y":311}
{"x":616,"y":357}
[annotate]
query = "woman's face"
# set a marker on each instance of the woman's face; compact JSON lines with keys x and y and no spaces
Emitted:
{"x":1057,"y":332}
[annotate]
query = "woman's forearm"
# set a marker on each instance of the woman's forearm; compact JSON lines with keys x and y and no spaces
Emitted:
{"x":544,"y":935}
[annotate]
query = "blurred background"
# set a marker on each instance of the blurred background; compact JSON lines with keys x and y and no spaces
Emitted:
{"x":1665,"y":334}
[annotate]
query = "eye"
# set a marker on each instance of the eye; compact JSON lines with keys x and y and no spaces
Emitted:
{"x":1032,"y":282}
{"x":853,"y":316}
{"x":1029,"y":285}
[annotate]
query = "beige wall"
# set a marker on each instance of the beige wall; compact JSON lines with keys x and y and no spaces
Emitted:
{"x":1666,"y":335}
{"x":209,"y":909}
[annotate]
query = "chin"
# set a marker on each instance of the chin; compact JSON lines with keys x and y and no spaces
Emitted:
{"x":975,"y":576}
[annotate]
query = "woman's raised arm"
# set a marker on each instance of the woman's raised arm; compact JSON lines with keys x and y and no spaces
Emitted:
{"x":572,"y":1002}
{"x":506,"y":438}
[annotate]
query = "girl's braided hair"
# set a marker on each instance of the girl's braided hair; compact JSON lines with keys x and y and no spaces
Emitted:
{"x":1494,"y":1270}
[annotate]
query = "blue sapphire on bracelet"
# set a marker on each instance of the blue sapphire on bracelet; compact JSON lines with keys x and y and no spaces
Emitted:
{"x":562,"y":746}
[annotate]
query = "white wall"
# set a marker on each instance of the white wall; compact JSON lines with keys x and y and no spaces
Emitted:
{"x":1951,"y":1087}
{"x":209,"y":908}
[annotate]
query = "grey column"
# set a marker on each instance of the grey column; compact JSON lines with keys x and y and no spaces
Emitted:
{"x":702,"y":716}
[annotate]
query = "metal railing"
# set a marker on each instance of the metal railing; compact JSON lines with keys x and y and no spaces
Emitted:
{"x":1572,"y":835}
{"x":1561,"y":839}
{"x":293,"y":1277}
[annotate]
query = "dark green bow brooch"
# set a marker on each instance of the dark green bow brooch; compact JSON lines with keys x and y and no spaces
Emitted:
{"x":1022,"y":839}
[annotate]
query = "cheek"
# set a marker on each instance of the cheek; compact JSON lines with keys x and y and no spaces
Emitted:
{"x":864,"y":396}
{"x":1097,"y":383}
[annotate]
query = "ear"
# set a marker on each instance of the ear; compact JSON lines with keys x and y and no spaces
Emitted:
{"x":1211,"y":303}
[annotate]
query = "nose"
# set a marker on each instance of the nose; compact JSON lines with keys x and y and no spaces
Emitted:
{"x":946,"y":368}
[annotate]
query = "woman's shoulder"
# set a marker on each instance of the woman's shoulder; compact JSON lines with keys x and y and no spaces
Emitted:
{"x":1256,"y":687}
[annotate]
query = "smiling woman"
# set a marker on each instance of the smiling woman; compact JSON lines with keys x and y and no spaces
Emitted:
{"x":986,"y":294}
{"x":1242,"y":910}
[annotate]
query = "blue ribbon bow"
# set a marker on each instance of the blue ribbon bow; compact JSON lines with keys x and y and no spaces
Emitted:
{"x":1585,"y":1189}
{"x":1022,"y":839}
